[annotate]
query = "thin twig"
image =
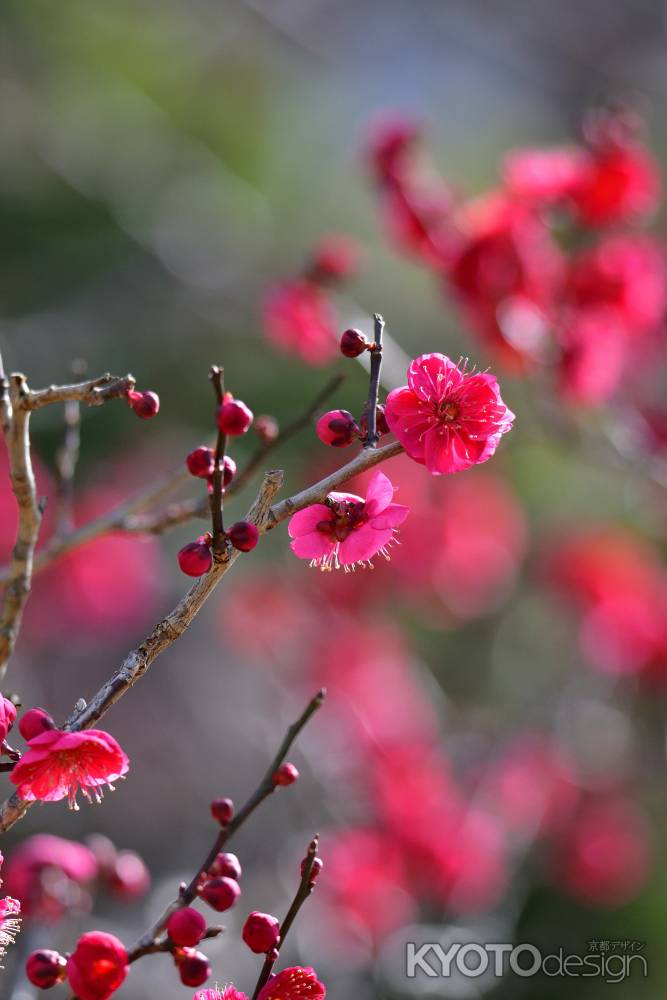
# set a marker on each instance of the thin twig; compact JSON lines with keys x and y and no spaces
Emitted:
{"x":306,"y":886}
{"x":30,"y":516}
{"x":5,"y":402}
{"x":133,"y":516}
{"x":166,"y":632}
{"x":370,"y":410}
{"x":177,"y":621}
{"x":94,"y":392}
{"x":217,"y":376}
{"x":166,"y":945}
{"x":265,"y":788}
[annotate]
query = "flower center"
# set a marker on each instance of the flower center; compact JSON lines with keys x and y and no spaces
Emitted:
{"x":346,"y":517}
{"x":446,"y":410}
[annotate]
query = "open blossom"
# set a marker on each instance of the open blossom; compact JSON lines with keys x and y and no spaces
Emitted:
{"x":58,"y":764}
{"x":446,"y":418}
{"x":346,"y":529}
{"x":227,"y":993}
{"x":296,"y":983}
{"x":97,"y":967}
{"x":10,"y":923}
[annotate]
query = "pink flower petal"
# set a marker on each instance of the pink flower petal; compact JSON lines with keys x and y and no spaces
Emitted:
{"x":390,"y":517}
{"x":409,"y":419}
{"x":305,"y":521}
{"x":363,"y":544}
{"x":379,"y":494}
{"x":314,"y":545}
{"x":431,"y":376}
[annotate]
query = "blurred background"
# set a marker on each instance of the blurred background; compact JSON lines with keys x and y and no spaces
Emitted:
{"x":490,"y":763}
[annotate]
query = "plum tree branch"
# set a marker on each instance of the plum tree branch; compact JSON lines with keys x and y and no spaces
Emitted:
{"x":169,"y":629}
{"x":135,"y":516}
{"x":305,"y":888}
{"x":265,"y":788}
{"x":92,"y":392}
{"x":17,"y":436}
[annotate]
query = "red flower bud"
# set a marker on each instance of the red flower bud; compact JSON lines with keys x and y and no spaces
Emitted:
{"x":220,"y":892}
{"x":34,"y":722}
{"x":222,"y":810}
{"x":97,"y":967}
{"x":226,"y":864}
{"x":228,"y":473}
{"x":45,"y":968}
{"x":144,"y":404}
{"x":315,"y":870}
{"x":243,"y":535}
{"x":195,"y":558}
{"x":234,"y":417}
{"x":353,"y":343}
{"x":337,"y":428}
{"x":286,"y":774}
{"x":186,"y":927}
{"x":228,"y":470}
{"x":380,"y":421}
{"x":193,"y":967}
{"x":201,"y":462}
{"x":266,"y":428}
{"x":261,"y":932}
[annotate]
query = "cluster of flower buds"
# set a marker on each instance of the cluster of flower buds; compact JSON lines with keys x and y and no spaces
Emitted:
{"x":201,"y":464}
{"x":186,"y":927}
{"x":233,"y":418}
{"x":219,"y":884}
{"x":144,"y":404}
{"x":196,"y":558}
